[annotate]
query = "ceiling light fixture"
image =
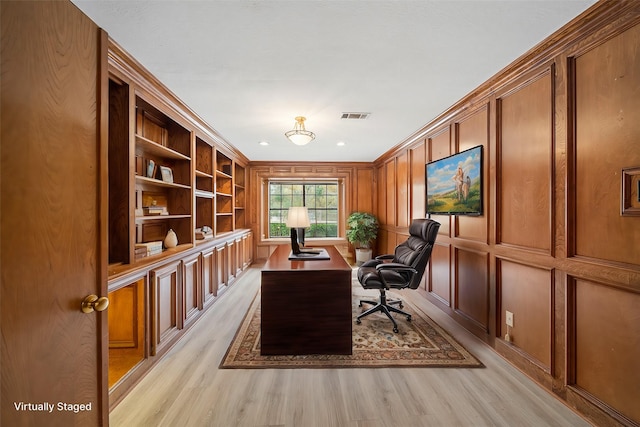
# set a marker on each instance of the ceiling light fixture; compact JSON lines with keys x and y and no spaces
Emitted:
{"x":299,"y":135}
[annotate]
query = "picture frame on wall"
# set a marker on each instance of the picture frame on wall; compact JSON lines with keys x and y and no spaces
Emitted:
{"x":630,"y":194}
{"x":167,"y":174}
{"x":454,"y":184}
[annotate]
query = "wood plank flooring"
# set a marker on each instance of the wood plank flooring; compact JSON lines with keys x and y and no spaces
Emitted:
{"x":186,"y":388}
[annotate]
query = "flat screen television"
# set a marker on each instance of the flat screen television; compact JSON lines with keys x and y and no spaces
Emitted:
{"x":454,"y":184}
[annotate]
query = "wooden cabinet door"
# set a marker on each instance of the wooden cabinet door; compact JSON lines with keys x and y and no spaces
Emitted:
{"x":191,"y":292}
{"x":165,"y":306}
{"x":209,"y":276}
{"x":222,"y":275}
{"x":53,"y":63}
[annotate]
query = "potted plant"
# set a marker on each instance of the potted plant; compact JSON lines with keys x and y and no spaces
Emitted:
{"x":362,"y":229}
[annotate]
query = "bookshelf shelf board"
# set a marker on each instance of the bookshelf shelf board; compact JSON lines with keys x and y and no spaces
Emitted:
{"x":156,"y":182}
{"x":152,"y":147}
{"x":222,"y":174}
{"x":223,"y":194}
{"x":145,"y":218}
{"x":224,"y":213}
{"x":203,"y":174}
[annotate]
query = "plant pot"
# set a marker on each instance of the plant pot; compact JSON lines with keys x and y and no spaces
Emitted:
{"x":363,"y":255}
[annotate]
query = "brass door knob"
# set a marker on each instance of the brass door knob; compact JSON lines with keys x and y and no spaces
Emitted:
{"x":93,"y":303}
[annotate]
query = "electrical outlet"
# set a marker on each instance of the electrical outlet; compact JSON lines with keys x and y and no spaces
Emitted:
{"x":509,"y":319}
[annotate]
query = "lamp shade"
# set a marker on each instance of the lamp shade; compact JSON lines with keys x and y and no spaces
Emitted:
{"x":298,"y":217}
{"x":299,"y":135}
{"x":300,"y":138}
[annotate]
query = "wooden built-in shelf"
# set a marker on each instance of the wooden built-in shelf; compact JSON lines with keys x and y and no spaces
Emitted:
{"x":144,"y":145}
{"x":159,"y":183}
{"x":160,"y":217}
{"x":201,"y":174}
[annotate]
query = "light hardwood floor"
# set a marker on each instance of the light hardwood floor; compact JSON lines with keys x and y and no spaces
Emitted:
{"x":186,"y":388}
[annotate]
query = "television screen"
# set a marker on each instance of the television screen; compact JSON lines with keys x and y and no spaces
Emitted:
{"x":454,"y":184}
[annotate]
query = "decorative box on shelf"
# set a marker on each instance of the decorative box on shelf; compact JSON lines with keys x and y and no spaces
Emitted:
{"x":204,"y":233}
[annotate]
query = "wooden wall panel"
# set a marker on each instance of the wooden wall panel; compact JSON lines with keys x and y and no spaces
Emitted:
{"x":607,"y":345}
{"x":417,"y":195}
{"x":358,"y":188}
{"x":382,"y":195}
{"x":402,"y":190}
{"x":440,"y":147}
{"x":471,"y":287}
{"x":525,"y":146}
{"x":471,"y":132}
{"x":364,"y":190}
{"x":440,"y":286}
{"x":526,"y":291}
{"x":390,"y":202}
{"x":607,"y":140}
{"x":558,"y":126}
{"x":382,"y":243}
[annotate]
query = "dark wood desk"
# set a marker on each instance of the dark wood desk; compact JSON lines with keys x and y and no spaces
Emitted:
{"x":306,"y":305}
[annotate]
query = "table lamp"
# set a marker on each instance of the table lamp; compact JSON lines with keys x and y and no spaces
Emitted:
{"x":297,"y":220}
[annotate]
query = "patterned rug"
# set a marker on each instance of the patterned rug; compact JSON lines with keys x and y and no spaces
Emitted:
{"x":419,"y":343}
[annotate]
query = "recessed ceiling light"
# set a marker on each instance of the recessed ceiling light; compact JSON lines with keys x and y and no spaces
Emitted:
{"x":263,"y":143}
{"x":340,"y":144}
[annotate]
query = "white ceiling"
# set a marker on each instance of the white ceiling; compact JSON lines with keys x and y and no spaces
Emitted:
{"x":250,"y":67}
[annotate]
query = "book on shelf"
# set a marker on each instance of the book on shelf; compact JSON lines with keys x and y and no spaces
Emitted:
{"x":151,"y":248}
{"x":155,"y":210}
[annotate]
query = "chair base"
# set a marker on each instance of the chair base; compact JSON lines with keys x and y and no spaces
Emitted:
{"x":385,"y":307}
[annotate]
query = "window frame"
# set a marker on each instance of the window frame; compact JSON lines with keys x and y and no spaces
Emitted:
{"x":340,"y":222}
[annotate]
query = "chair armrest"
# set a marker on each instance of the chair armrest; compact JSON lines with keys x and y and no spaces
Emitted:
{"x":403,"y":270}
{"x":396,"y":267}
{"x":384,"y":257}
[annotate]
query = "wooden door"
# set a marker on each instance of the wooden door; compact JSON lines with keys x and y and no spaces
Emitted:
{"x":54,"y":363}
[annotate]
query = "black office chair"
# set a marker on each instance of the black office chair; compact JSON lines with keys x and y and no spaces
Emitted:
{"x":404,"y":271}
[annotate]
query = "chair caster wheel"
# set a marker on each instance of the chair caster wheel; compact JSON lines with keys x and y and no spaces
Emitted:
{"x":401,"y":305}
{"x":359,"y":304}
{"x":395,"y":330}
{"x":358,"y":321}
{"x":408,"y":318}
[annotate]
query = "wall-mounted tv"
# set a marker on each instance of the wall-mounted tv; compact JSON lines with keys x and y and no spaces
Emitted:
{"x":454,"y":184}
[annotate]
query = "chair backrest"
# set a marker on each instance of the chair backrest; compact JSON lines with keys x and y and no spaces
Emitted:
{"x":416,"y":250}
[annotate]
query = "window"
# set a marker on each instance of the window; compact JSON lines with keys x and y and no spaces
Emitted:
{"x":320,"y":198}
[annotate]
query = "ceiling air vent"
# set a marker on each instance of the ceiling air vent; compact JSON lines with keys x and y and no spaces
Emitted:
{"x":355,"y":116}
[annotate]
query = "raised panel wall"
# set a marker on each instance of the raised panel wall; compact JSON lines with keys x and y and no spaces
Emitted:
{"x":440,"y":284}
{"x":471,"y":132}
{"x":607,"y":80}
{"x":402,"y":193}
{"x":525,"y":146}
{"x":555,"y":245}
{"x":358,"y":184}
{"x":472,"y":286}
{"x":417,"y":195}
{"x":440,"y":147}
{"x":527,"y":292}
{"x":607,"y":344}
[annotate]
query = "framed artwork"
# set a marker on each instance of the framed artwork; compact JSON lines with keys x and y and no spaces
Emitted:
{"x":151,"y":169}
{"x":454,"y":184}
{"x":630,"y":196}
{"x":167,"y":174}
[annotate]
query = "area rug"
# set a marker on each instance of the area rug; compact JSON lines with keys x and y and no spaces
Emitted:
{"x":419,"y":343}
